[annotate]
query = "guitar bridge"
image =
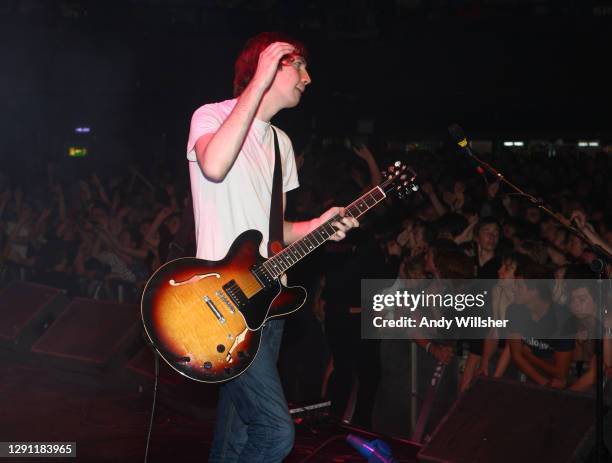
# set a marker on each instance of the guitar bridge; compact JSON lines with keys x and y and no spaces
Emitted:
{"x":225,"y":300}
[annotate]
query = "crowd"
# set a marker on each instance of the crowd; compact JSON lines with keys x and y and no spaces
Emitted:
{"x":93,"y":237}
{"x":101,"y":235}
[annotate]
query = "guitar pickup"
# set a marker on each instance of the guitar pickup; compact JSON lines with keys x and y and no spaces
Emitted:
{"x":236,"y":295}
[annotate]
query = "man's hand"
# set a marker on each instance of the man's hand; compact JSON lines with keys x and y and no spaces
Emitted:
{"x":483,"y":369}
{"x":557,"y":383}
{"x":527,"y":353}
{"x":363,"y":152}
{"x":342,"y":226}
{"x":427,"y":188}
{"x":267,"y":65}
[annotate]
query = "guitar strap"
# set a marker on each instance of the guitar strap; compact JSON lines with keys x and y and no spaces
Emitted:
{"x":275,"y":235}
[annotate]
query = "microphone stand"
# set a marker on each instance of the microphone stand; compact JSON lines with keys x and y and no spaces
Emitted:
{"x":599,"y":265}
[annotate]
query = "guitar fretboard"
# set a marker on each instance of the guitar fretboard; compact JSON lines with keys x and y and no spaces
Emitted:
{"x":292,"y":254}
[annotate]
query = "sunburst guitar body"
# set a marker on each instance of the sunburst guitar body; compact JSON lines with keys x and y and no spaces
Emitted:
{"x":205,"y":317}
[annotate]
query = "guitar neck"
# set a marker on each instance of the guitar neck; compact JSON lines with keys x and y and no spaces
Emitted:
{"x":292,"y":254}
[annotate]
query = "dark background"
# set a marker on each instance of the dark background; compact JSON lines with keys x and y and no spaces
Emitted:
{"x":134,"y":70}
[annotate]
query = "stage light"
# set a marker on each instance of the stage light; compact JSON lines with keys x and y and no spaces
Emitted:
{"x":77,"y":152}
{"x":82,"y":130}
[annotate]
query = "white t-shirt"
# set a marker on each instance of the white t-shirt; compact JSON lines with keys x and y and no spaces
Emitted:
{"x":242,"y":200}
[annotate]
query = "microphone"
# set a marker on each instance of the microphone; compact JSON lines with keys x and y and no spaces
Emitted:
{"x":458,"y":136}
{"x":376,"y":451}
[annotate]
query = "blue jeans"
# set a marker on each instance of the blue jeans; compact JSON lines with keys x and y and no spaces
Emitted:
{"x":253,"y":422}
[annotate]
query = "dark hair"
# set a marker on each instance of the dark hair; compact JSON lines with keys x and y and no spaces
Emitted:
{"x":486,"y":221}
{"x":535,"y":275}
{"x":453,"y":264}
{"x":589,"y":285}
{"x":246,"y":63}
{"x":452,"y":223}
{"x":581,"y":276}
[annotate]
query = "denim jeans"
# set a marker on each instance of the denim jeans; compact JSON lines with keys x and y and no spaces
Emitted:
{"x":253,"y":422}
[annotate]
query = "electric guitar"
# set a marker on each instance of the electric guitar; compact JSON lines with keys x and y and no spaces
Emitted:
{"x":205,"y":317}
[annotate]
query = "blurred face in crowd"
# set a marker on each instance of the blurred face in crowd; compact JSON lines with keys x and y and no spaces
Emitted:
{"x":418,"y":234}
{"x":509,"y":230}
{"x":548,"y":230}
{"x":560,"y":273}
{"x":582,"y":304}
{"x":575,"y":246}
{"x":459,"y":188}
{"x":507,"y":269}
{"x":532,"y":215}
{"x":560,"y":238}
{"x":523,"y":294}
{"x":488,"y":237}
{"x":173,"y":223}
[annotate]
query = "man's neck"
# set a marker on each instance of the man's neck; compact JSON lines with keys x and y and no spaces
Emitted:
{"x":267,"y":108}
{"x":484,"y":256}
{"x":538,"y":308}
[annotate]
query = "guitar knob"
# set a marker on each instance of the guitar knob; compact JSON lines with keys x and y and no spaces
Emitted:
{"x":220,"y":348}
{"x":207,"y":365}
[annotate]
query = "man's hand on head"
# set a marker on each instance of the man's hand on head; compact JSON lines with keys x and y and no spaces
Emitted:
{"x":267,"y":65}
{"x":342,"y":226}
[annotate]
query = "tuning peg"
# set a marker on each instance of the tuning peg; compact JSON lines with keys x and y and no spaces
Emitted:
{"x":415,"y":187}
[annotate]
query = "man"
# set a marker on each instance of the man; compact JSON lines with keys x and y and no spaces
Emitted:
{"x":231,"y":150}
{"x":486,"y":240}
{"x":583,"y":299}
{"x":540,"y":332}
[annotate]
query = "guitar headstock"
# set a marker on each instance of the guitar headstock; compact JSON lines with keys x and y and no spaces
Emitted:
{"x":399,"y":179}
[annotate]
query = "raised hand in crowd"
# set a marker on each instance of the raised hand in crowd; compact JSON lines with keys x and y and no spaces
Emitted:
{"x":363,"y":152}
{"x":429,"y":190}
{"x":578,"y":217}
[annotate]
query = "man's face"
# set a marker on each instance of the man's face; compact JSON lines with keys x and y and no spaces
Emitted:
{"x":575,"y":246}
{"x":507,"y":269}
{"x":581,"y":303}
{"x":291,"y":80}
{"x":488,"y":236}
{"x":532,"y":215}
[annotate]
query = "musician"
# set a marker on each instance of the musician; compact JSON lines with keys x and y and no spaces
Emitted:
{"x":231,"y":152}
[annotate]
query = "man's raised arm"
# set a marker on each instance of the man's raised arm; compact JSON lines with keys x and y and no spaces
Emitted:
{"x":216,"y":152}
